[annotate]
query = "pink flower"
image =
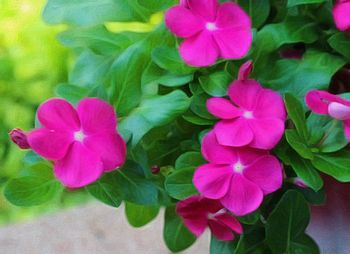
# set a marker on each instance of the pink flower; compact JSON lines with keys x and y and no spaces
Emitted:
{"x":324,"y":103}
{"x":238,"y":177}
{"x":210,"y":30}
{"x":255,"y":116}
{"x":82,"y":142}
{"x":341,"y":15}
{"x":198,"y":212}
{"x":19,"y":138}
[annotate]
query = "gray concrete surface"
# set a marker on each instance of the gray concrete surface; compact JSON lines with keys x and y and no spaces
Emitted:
{"x":90,"y":229}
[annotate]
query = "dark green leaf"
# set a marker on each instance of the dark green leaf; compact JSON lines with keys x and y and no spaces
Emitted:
{"x":139,"y":215}
{"x":258,"y":10}
{"x":297,"y":115}
{"x":341,"y":43}
{"x":104,"y":191}
{"x":221,"y":247}
{"x":189,"y":159}
{"x":298,"y":144}
{"x":292,"y":3}
{"x":216,"y":83}
{"x":179,"y":184}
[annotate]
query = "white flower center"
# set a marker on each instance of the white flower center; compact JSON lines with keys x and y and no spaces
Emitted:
{"x":79,"y":136}
{"x":238,"y":167}
{"x":248,"y":114}
{"x":211,"y":216}
{"x":211,"y":26}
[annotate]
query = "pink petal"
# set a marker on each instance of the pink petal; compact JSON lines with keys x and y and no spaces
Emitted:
{"x":267,"y":132}
{"x":110,"y":147}
{"x":220,"y":231}
{"x":182,"y":22}
{"x":347,"y":129}
{"x":245,"y":94}
{"x":79,"y":167}
{"x":199,"y":50}
{"x":222,"y":108}
{"x":339,"y":111}
{"x":216,"y":153}
{"x":96,"y":116}
{"x":341,"y":16}
{"x":266,"y":172}
{"x":233,"y":42}
{"x":245,"y":70}
{"x":50,"y":144}
{"x":232,"y":15}
{"x":233,"y":132}
{"x":270,"y":105}
{"x":243,"y":196}
{"x":206,"y":9}
{"x":196,"y":225}
{"x":58,"y":114}
{"x":231,"y":222}
{"x":248,"y":155}
{"x":212,"y":181}
{"x":318,"y":101}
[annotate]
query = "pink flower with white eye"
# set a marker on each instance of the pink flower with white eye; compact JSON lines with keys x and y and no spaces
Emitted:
{"x":198,"y":213}
{"x":82,"y":142}
{"x":211,"y":30}
{"x":238,"y":177}
{"x":324,"y":103}
{"x":341,"y":15}
{"x":253,"y":116}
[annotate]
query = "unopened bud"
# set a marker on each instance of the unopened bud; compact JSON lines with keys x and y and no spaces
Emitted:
{"x":19,"y":138}
{"x":299,"y":182}
{"x":245,"y":70}
{"x":155,"y":169}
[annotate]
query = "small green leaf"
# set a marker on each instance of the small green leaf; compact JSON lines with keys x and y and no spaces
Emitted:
{"x":258,"y":10}
{"x":298,"y":144}
{"x":140,"y":215}
{"x":341,"y":43}
{"x":179,"y":184}
{"x":71,"y":93}
{"x":176,"y":236}
{"x":216,"y":83}
{"x":297,"y":115}
{"x":104,"y":191}
{"x":292,"y":3}
{"x":189,"y":159}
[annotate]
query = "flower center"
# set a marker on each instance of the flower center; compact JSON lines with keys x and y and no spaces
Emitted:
{"x":79,"y":136}
{"x":248,"y":114}
{"x":211,"y":216}
{"x":238,"y":167}
{"x":211,"y":26}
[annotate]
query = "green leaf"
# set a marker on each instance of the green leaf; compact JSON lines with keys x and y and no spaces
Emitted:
{"x":176,"y":236}
{"x":258,"y":10}
{"x":334,"y":164}
{"x":189,"y":159}
{"x":307,"y":172}
{"x":292,"y":3}
{"x":216,"y":83}
{"x":286,"y":225}
{"x":313,"y":71}
{"x":154,"y":111}
{"x":170,"y":59}
{"x":139,"y":215}
{"x":298,"y":144}
{"x":198,"y":106}
{"x":91,"y":12}
{"x":179,"y":184}
{"x":221,"y":247}
{"x":37,"y":187}
{"x":296,"y":114}
{"x":71,"y":93}
{"x":340,"y":42}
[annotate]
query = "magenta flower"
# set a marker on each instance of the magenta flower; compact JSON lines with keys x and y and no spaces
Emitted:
{"x":210,"y":30}
{"x":341,"y":15}
{"x":198,"y":212}
{"x":255,"y":116}
{"x":324,"y":103}
{"x":82,"y":142}
{"x":238,"y":177}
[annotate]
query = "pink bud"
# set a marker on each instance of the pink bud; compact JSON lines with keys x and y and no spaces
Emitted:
{"x":245,"y":70}
{"x":155,"y":169}
{"x":19,"y":138}
{"x":299,"y":182}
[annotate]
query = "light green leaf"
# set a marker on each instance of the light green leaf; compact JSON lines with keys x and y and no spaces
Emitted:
{"x":216,"y":83}
{"x":140,"y":215}
{"x":179,"y":183}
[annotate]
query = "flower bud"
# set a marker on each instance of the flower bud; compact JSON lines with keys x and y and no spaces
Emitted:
{"x":300,"y":183}
{"x":155,"y":169}
{"x":245,"y":70}
{"x":19,"y":138}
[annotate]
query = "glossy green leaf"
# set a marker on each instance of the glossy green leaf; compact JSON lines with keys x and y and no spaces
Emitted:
{"x":258,"y":10}
{"x":140,"y":215}
{"x":179,"y":184}
{"x":221,"y":247}
{"x":189,"y":159}
{"x":297,"y":115}
{"x":341,"y":43}
{"x":216,"y":83}
{"x":71,"y":93}
{"x":298,"y":144}
{"x":292,"y":3}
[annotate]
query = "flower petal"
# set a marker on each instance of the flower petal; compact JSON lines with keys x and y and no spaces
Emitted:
{"x":267,"y":132}
{"x":232,"y":15}
{"x":50,"y":144}
{"x":110,"y":146}
{"x":212,"y":181}
{"x":58,"y":114}
{"x":199,"y":50}
{"x":243,"y":196}
{"x":182,"y":22}
{"x":207,"y":10}
{"x":222,"y":108}
{"x":216,"y":153}
{"x":318,"y":101}
{"x":266,"y":172}
{"x":339,"y":111}
{"x":270,"y":105}
{"x":245,"y":93}
{"x":231,"y":222}
{"x":248,"y":155}
{"x":96,"y":116}
{"x":341,"y":16}
{"x":233,"y":132}
{"x":79,"y":167}
{"x":233,"y":42}
{"x":347,"y":129}
{"x":221,"y":231}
